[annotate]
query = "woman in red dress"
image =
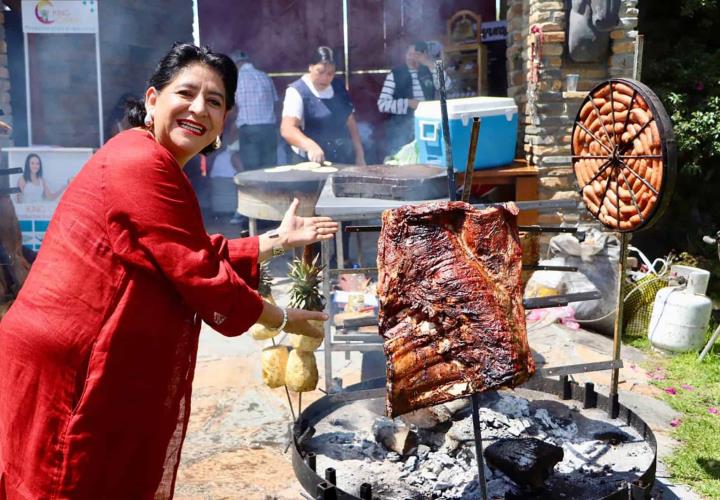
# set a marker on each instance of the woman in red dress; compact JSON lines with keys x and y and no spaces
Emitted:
{"x":97,"y":354}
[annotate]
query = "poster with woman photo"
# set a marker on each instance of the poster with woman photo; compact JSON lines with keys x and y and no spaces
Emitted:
{"x":45,"y":174}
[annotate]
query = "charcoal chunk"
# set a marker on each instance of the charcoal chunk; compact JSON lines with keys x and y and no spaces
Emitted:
{"x":527,"y":461}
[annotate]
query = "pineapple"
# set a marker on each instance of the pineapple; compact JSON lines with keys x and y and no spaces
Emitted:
{"x":265,"y":283}
{"x":305,"y":294}
{"x":258,"y":331}
{"x":301,"y":373}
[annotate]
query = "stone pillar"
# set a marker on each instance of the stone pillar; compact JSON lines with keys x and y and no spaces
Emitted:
{"x":538,"y":86}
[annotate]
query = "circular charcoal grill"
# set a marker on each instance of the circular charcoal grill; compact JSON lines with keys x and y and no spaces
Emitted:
{"x":324,"y":487}
{"x":624,"y":155}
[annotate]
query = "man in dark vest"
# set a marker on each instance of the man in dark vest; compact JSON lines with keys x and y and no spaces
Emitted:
{"x":405,"y":86}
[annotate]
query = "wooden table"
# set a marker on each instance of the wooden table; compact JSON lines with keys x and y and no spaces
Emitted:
{"x":520,"y":175}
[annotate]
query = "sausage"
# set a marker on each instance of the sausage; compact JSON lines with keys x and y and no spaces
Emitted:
{"x":655,"y":134}
{"x":576,"y":142}
{"x":611,"y":209}
{"x":624,"y":225}
{"x":641,"y":102}
{"x":648,"y":208}
{"x":640,"y":116}
{"x":590,"y":194}
{"x":580,"y":173}
{"x":591,"y":206}
{"x":620,"y":117}
{"x":603,"y":91}
{"x":656,"y":178}
{"x":646,"y":141}
{"x":637,"y":147}
{"x":623,"y":99}
{"x":625,"y":194}
{"x":624,"y":89}
{"x":611,"y":194}
{"x":586,"y":110}
{"x":627,"y":211}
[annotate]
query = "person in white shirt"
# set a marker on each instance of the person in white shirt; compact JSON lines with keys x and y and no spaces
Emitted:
{"x":318,"y":119}
{"x":405,"y":86}
{"x":33,"y":186}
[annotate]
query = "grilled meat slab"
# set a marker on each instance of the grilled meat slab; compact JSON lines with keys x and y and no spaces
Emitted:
{"x":451,"y":310}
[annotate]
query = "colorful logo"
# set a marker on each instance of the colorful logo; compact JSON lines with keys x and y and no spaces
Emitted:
{"x":42,"y":11}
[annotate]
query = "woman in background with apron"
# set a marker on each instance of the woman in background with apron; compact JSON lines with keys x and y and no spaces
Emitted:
{"x":317,"y":118}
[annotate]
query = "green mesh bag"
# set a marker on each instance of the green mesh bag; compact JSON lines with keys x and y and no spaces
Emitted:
{"x":639,"y":297}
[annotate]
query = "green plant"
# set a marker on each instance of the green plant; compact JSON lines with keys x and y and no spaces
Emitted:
{"x":681,"y":65}
{"x":305,"y":291}
{"x":693,"y":388}
{"x":265,"y":280}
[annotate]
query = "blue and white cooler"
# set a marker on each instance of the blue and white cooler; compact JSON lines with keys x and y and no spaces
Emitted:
{"x":498,"y":131}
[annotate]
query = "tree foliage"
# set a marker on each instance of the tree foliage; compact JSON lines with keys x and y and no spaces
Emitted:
{"x":681,"y":64}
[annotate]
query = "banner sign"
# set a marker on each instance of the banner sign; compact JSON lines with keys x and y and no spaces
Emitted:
{"x":46,"y":174}
{"x":493,"y":31}
{"x":60,"y":16}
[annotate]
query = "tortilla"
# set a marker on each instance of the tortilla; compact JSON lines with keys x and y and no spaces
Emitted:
{"x":281,"y":168}
{"x":306,"y":165}
{"x":325,"y":170}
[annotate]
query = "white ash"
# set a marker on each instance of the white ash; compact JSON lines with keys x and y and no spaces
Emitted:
{"x":443,"y":464}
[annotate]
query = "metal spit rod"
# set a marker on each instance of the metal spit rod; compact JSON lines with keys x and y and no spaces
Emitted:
{"x":478,"y":445}
{"x":613,"y":403}
{"x":526,"y":229}
{"x":470,"y":165}
{"x":440,"y":71}
{"x":533,"y":303}
{"x":527,"y":267}
{"x":452,"y":195}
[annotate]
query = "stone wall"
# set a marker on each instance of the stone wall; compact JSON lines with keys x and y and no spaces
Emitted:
{"x":539,"y":28}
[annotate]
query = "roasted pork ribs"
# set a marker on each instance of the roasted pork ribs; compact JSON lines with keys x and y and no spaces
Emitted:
{"x":451,"y":310}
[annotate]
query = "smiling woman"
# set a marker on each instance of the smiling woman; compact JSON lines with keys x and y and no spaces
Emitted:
{"x":97,"y":353}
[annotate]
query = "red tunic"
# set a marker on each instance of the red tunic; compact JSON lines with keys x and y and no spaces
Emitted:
{"x":98,"y":352}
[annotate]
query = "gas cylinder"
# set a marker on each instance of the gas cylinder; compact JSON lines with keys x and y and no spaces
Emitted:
{"x":681,"y":313}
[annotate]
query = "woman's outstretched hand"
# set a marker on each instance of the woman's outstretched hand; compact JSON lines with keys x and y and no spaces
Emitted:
{"x":301,"y":231}
{"x":299,"y":322}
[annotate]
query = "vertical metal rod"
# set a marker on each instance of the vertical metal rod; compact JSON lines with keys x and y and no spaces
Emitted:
{"x":637,"y":57}
{"x":366,"y":491}
{"x":710,"y":344}
{"x":311,"y":460}
{"x":478,"y":446}
{"x":292,"y":411}
{"x":325,"y":245}
{"x":28,"y":97}
{"x":614,"y":379}
{"x":470,"y":166}
{"x":330,"y":476}
{"x":299,"y":405}
{"x":339,"y":250}
{"x":452,"y":192}
{"x":101,"y":123}
{"x":346,"y":45}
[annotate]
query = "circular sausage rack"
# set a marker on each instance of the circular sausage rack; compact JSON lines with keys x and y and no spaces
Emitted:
{"x":623,"y":155}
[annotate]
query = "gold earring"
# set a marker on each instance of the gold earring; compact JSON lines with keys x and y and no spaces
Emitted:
{"x":217,"y":143}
